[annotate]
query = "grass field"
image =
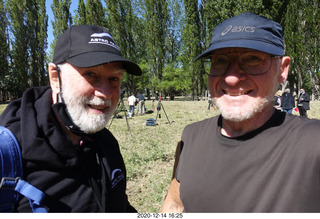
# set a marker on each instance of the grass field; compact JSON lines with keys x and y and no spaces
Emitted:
{"x":149,"y":152}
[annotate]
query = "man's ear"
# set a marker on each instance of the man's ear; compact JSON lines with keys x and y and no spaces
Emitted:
{"x":284,"y":69}
{"x":54,"y":78}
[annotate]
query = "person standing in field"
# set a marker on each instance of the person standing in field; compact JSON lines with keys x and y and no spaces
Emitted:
{"x":287,"y":101}
{"x":141,"y":104}
{"x":303,"y":103}
{"x":131,"y":102}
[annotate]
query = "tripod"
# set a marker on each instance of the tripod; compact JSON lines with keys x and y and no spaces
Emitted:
{"x":122,"y":108}
{"x":158,"y":110}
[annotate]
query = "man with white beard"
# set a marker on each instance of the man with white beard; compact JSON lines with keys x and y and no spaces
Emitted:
{"x":67,"y":152}
{"x":250,"y":158}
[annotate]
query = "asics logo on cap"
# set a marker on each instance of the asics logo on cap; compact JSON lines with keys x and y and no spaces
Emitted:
{"x":238,"y":29}
{"x":100,"y":38}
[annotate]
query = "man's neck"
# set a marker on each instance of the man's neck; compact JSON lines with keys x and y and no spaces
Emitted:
{"x":74,"y":138}
{"x":233,"y":129}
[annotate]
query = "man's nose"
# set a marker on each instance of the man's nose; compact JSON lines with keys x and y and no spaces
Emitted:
{"x":103,"y":89}
{"x":234,"y":74}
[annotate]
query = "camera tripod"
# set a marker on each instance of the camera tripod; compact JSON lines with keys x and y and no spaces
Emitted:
{"x":122,"y":108}
{"x":158,"y":111}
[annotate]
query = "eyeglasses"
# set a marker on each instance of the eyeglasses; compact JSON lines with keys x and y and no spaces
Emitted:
{"x":253,"y":63}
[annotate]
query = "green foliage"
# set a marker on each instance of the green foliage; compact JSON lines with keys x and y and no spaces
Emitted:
{"x":156,"y":23}
{"x":4,"y":51}
{"x":157,"y":34}
{"x":80,"y":14}
{"x":302,"y":44}
{"x":62,"y":19}
{"x":122,"y":20}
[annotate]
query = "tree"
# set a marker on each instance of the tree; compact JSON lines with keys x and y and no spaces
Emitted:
{"x":95,"y":13}
{"x":156,"y":17}
{"x":121,"y":20}
{"x":295,"y":44}
{"x":4,"y":52}
{"x":192,"y":47}
{"x":19,"y":44}
{"x":173,"y":39}
{"x":81,"y":15}
{"x":37,"y":35}
{"x":62,"y":20}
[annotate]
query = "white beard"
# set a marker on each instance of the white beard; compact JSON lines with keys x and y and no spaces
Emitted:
{"x":77,"y":105}
{"x":246,"y":112}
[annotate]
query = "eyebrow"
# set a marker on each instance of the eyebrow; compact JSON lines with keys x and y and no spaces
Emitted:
{"x":120,"y":71}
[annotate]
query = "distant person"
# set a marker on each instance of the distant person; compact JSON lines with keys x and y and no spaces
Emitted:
{"x":141,"y":103}
{"x":277,"y":100}
{"x":209,"y":101}
{"x":131,"y":102}
{"x":287,"y":101}
{"x":66,"y":150}
{"x":303,"y":103}
{"x":251,"y":157}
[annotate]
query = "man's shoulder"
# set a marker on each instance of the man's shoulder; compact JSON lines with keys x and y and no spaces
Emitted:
{"x":303,"y":123}
{"x":29,"y":97}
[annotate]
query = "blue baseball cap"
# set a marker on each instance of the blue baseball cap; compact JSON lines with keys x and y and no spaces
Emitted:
{"x":249,"y":31}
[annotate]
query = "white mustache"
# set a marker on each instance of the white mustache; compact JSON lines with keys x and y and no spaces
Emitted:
{"x":100,"y":102}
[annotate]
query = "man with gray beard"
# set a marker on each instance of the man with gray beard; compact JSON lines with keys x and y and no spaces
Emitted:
{"x":66,"y":150}
{"x":251,"y":157}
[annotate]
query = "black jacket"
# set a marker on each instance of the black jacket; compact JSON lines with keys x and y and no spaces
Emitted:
{"x":287,"y":101}
{"x":304,"y":102}
{"x":86,"y":178}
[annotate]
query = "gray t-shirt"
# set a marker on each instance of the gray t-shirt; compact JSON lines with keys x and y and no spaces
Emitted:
{"x":273,"y":169}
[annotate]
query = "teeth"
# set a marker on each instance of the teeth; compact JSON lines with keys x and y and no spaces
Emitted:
{"x":235,"y":94}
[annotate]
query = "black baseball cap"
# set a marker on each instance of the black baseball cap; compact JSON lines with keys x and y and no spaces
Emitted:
{"x":88,"y":46}
{"x":249,"y":31}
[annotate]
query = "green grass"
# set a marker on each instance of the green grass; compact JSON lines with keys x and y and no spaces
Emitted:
{"x":2,"y":107}
{"x":149,"y":153}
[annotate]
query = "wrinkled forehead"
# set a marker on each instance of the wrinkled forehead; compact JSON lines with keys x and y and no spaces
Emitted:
{"x":117,"y":67}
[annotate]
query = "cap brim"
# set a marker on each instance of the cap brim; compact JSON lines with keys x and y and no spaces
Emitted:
{"x":248,"y":44}
{"x":91,"y":59}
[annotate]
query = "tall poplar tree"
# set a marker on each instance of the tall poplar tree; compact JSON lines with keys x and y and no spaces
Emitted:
{"x":4,"y":52}
{"x":19,"y":44}
{"x":37,"y":33}
{"x":173,"y":39}
{"x":62,"y":20}
{"x":295,"y":43}
{"x":81,"y":15}
{"x":121,"y":22}
{"x":156,"y":18}
{"x":192,"y":47}
{"x":95,"y":13}
{"x":313,"y":24}
{"x":92,"y":12}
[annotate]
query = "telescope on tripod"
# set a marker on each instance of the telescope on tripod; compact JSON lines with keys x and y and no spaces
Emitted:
{"x":152,"y":122}
{"x":159,"y":106}
{"x":121,"y":107}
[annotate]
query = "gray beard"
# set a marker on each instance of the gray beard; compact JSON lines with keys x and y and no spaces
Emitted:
{"x":88,"y":122}
{"x":246,"y":113}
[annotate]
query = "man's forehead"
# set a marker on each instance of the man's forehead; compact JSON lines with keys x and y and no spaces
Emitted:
{"x":117,"y":67}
